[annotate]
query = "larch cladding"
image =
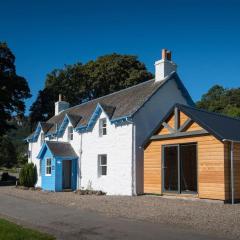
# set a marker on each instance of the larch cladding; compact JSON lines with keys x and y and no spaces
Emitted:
{"x":236,"y":164}
{"x":211,"y":166}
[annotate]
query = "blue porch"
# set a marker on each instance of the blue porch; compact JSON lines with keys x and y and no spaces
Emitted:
{"x":58,"y":166}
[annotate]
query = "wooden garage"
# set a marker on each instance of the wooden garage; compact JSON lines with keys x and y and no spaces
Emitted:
{"x":194,"y":152}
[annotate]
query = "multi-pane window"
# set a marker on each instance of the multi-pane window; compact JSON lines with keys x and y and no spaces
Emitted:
{"x":102,"y":127}
{"x":48,"y":166}
{"x":70,"y":133}
{"x":42,"y":138}
{"x":102,"y":165}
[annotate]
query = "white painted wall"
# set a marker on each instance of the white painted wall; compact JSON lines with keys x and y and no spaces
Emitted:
{"x":35,"y":148}
{"x":148,"y":117}
{"x":117,"y":144}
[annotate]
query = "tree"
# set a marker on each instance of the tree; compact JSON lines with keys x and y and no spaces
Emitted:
{"x":221,"y":100}
{"x":13,"y":89}
{"x":80,"y":82}
{"x":28,"y":175}
{"x":20,"y":131}
{"x":8,"y":156}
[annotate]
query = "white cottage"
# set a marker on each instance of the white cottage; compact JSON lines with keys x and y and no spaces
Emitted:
{"x":98,"y":144}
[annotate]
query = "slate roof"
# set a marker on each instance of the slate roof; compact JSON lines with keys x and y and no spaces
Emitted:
{"x":123,"y":103}
{"x":221,"y":126}
{"x":61,"y":149}
{"x":45,"y":126}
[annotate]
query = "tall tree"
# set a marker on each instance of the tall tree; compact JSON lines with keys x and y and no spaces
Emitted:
{"x":8,"y":156}
{"x":221,"y":100}
{"x":94,"y":79}
{"x":13,"y":89}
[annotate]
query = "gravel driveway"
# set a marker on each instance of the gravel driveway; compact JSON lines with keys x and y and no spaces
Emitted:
{"x":201,"y":216}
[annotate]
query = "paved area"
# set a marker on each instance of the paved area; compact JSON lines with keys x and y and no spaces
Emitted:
{"x":71,"y":216}
{"x":68,"y":223}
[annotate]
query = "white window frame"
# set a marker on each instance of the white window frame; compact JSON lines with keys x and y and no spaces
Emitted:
{"x":42,"y":138}
{"x":70,"y":133}
{"x":102,"y":127}
{"x":48,"y":167}
{"x":102,"y":165}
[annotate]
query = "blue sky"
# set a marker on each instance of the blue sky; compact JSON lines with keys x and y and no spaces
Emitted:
{"x":204,"y":36}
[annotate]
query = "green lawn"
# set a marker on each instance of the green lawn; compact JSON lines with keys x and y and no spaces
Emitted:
{"x":11,"y":231}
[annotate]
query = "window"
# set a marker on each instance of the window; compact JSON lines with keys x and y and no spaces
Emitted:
{"x":42,"y":138}
{"x":102,"y":165}
{"x":48,"y":166}
{"x":102,"y":127}
{"x":70,"y":133}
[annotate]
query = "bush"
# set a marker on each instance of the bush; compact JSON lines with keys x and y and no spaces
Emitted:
{"x":4,"y":176}
{"x":28,"y":175}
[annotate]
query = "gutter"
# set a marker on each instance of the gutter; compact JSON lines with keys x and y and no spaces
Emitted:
{"x":232,"y":167}
{"x":79,"y":164}
{"x":133,"y":160}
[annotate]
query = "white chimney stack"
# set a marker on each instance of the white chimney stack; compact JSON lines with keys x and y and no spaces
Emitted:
{"x":165,"y":66}
{"x":60,"y":105}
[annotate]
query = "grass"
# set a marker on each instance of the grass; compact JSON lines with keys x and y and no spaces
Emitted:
{"x":12,"y":231}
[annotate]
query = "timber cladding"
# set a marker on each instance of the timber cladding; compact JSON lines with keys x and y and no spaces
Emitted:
{"x":210,"y":166}
{"x":213,"y":161}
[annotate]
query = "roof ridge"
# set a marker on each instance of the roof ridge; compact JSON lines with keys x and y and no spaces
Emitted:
{"x":206,"y":111}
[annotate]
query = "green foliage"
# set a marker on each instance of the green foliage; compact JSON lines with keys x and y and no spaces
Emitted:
{"x":11,"y":231}
{"x":17,"y":135}
{"x":28,"y":175}
{"x":8,"y":156}
{"x":94,"y":79}
{"x":13,"y":89}
{"x":21,"y":158}
{"x":221,"y":100}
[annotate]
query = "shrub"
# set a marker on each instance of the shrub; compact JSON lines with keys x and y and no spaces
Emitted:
{"x":4,"y":176}
{"x":28,"y":175}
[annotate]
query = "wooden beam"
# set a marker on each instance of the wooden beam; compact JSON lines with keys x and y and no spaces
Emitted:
{"x":176,"y":119}
{"x":179,"y":135}
{"x":185,"y":125}
{"x":170,"y":129}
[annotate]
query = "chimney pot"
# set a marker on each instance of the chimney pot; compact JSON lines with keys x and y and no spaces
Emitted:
{"x":164,"y":54}
{"x":169,"y":56}
{"x":60,"y":97}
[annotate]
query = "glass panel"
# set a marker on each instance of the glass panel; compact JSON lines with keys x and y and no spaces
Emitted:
{"x":171,"y":168}
{"x":103,"y":160}
{"x":104,"y":170}
{"x":188,"y":156}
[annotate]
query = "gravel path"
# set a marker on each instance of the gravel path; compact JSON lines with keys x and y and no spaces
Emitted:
{"x":203,"y":216}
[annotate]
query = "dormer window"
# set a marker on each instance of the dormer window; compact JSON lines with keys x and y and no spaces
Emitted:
{"x":42,"y":138}
{"x":70,"y":133}
{"x":102,"y":127}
